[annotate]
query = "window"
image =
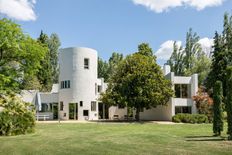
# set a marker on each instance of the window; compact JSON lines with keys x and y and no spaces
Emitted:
{"x":85,"y":112}
{"x":93,"y":106}
{"x":44,"y":107}
{"x":183,"y":109}
{"x":81,"y":103}
{"x":65,"y":84}
{"x":99,"y":88}
{"x":86,"y":63}
{"x":182,"y":91}
{"x":61,"y":106}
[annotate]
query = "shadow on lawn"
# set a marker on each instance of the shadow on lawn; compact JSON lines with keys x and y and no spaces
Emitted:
{"x":205,"y":138}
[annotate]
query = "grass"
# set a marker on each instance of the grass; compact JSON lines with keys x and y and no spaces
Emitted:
{"x":116,"y":138}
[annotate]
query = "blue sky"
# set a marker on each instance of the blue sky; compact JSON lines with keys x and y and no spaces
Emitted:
{"x":119,"y":25}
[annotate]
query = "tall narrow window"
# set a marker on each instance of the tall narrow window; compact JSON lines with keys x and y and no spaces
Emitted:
{"x":86,"y":63}
{"x":81,"y":103}
{"x":93,"y":106}
{"x":61,"y":106}
{"x":68,"y":86}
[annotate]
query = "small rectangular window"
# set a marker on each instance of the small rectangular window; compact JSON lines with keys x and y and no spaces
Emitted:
{"x":86,"y":63}
{"x":81,"y":103}
{"x":93,"y":106}
{"x":61,"y":106}
{"x":85,"y":112}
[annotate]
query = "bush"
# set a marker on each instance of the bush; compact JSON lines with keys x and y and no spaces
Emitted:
{"x":16,"y":116}
{"x":190,"y":118}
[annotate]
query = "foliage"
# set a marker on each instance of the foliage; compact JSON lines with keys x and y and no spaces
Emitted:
{"x":176,"y":60}
{"x":106,"y":69}
{"x":229,"y":101}
{"x":49,"y":72}
{"x":53,"y":46}
{"x":204,"y":103}
{"x":222,"y":55}
{"x":20,"y":56}
{"x":191,"y":59}
{"x":190,"y":118}
{"x":16,"y":117}
{"x":138,"y":82}
{"x":217,"y":108}
{"x":103,"y":67}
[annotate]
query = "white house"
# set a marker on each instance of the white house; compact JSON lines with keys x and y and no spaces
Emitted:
{"x":76,"y":95}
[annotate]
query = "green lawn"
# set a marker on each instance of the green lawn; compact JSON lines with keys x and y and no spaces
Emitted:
{"x":109,"y":138}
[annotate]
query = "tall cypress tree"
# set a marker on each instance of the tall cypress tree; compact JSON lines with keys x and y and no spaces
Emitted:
{"x":217,"y":108}
{"x":229,"y":101}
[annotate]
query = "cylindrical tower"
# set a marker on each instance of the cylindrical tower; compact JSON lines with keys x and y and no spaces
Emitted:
{"x":77,"y":80}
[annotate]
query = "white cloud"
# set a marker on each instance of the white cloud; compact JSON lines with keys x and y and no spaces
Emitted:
{"x":206,"y":45}
{"x":18,"y":9}
{"x":166,"y":49}
{"x":164,"y":5}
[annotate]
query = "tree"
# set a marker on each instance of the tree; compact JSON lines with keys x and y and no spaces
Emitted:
{"x":176,"y":62}
{"x":53,"y":46}
{"x":20,"y":56}
{"x":45,"y":73}
{"x":192,"y":48}
{"x":190,"y":59}
{"x":138,"y":82}
{"x":103,"y":68}
{"x":217,"y":108}
{"x":229,"y":101}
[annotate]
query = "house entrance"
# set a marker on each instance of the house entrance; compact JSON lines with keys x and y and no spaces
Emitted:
{"x":103,"y":111}
{"x":73,"y":111}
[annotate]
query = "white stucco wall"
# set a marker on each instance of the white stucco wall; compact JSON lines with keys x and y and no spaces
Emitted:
{"x":82,"y":81}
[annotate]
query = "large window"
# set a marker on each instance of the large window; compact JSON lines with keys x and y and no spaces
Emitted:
{"x":183,"y":109}
{"x":93,"y":106}
{"x":65,"y":84}
{"x":86,"y":63}
{"x":182,"y":91}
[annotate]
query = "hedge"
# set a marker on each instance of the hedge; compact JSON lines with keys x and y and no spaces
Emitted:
{"x":190,"y":118}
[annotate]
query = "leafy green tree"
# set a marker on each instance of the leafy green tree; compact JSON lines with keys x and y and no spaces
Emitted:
{"x":45,"y":72}
{"x":192,"y":48}
{"x":20,"y":56}
{"x":103,"y":69}
{"x":53,"y":46}
{"x":138,"y":82}
{"x":229,"y":101}
{"x":217,"y":108}
{"x":176,"y":62}
{"x":191,"y":59}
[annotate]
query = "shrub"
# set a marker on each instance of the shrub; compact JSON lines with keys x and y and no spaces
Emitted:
{"x":16,"y":116}
{"x":204,"y":103}
{"x":190,"y":118}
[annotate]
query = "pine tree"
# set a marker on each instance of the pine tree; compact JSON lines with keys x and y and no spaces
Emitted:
{"x":217,"y":108}
{"x":229,"y":101}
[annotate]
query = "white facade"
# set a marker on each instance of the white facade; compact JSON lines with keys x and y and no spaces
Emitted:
{"x":76,"y":95}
